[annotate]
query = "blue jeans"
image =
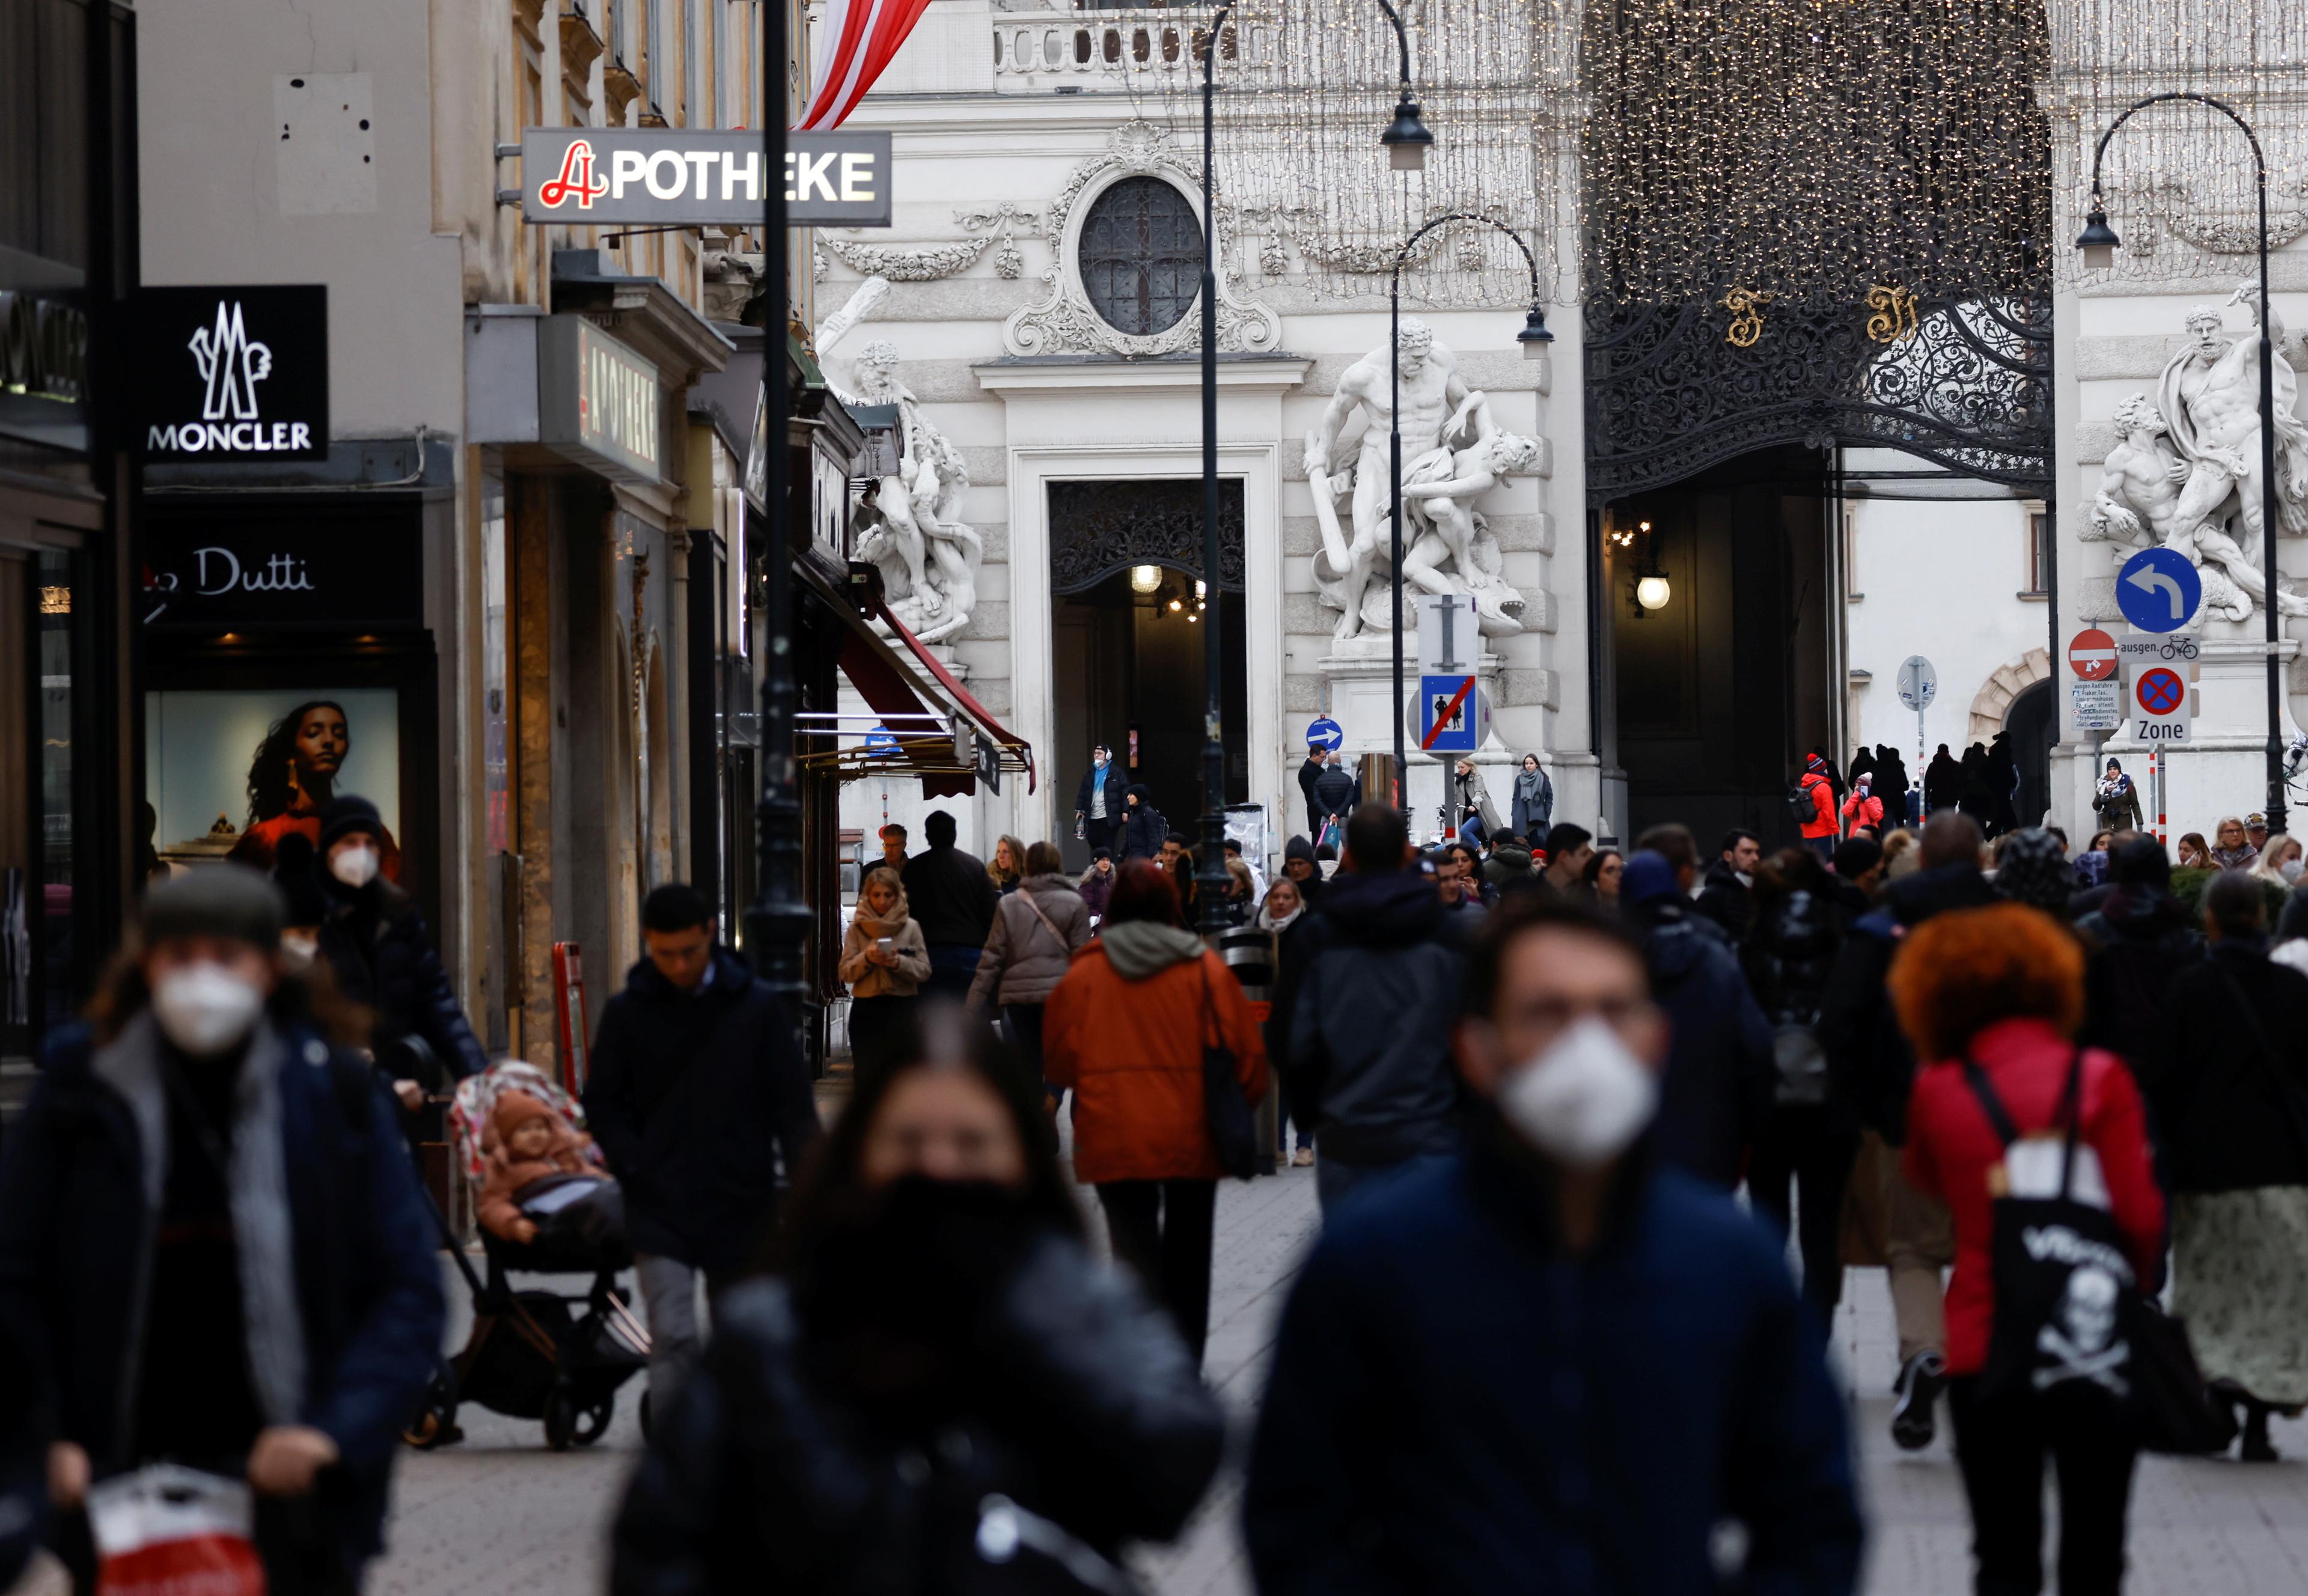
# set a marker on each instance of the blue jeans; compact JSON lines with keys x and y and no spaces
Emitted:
{"x":1334,"y":1178}
{"x":953,"y":967}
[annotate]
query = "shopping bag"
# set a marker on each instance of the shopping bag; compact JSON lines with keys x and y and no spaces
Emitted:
{"x":166,"y":1531}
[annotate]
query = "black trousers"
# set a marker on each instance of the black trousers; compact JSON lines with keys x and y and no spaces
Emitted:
{"x":1026,"y":1036}
{"x":1798,"y":1147}
{"x":2000,"y":1445}
{"x":1161,"y":1228}
{"x":870,"y":1022}
{"x":1099,"y":834}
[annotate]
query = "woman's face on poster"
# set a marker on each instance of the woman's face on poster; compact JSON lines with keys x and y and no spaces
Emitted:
{"x":322,"y":742}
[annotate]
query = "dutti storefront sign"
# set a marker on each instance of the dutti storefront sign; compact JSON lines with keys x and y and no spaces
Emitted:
{"x":598,"y":403}
{"x":666,"y":176}
{"x":238,"y":567}
{"x":237,"y":373}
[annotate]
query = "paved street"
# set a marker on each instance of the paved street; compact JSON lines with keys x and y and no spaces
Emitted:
{"x":501,"y":1515}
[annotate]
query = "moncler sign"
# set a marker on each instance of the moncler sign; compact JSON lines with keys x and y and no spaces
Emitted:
{"x":233,"y":373}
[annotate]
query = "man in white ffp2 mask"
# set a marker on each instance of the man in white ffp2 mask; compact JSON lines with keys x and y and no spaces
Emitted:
{"x":1489,"y":1361}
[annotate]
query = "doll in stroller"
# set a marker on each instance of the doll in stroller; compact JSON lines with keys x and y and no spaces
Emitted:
{"x":547,"y":1204}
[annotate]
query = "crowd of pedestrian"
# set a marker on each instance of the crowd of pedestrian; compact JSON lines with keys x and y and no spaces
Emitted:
{"x":1594,"y":1131}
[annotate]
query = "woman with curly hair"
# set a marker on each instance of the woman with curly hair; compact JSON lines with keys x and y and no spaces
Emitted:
{"x":291,"y":780}
{"x":1992,"y":998}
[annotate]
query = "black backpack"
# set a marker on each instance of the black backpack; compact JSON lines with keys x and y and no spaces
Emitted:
{"x":1801,"y":805}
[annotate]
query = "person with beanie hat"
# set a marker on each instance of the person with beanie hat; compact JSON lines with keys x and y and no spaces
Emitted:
{"x":378,"y":949}
{"x":1814,"y":803}
{"x":1303,"y":869}
{"x":2032,"y":868}
{"x":213,"y":1251}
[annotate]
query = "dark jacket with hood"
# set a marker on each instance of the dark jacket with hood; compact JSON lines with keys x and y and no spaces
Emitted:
{"x":353,"y":1281}
{"x":1509,"y":865}
{"x":2226,"y":1081}
{"x":1142,"y":829}
{"x":1459,"y":1403}
{"x":1369,"y":984}
{"x":382,"y":956}
{"x":1052,"y":1383}
{"x":1869,"y":1061}
{"x":1715,"y":1093}
{"x":2141,"y":938}
{"x":690,"y":1094}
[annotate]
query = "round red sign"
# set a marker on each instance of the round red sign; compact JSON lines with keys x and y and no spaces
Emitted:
{"x":2091,"y":655}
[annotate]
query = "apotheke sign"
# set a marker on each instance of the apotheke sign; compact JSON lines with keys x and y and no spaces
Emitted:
{"x":668,"y":177}
{"x":232,"y":373}
{"x":598,"y":400}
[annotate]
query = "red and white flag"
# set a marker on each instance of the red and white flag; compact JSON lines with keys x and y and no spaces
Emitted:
{"x":856,"y":42}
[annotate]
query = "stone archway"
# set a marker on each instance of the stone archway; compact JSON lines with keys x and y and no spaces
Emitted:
{"x":1993,"y":700}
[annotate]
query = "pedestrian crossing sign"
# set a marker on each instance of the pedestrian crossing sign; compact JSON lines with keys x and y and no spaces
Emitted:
{"x":1452,"y":714}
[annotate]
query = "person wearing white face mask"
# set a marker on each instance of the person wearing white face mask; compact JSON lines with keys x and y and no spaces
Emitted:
{"x":376,"y":945}
{"x":213,"y":1244}
{"x":1468,"y":1390}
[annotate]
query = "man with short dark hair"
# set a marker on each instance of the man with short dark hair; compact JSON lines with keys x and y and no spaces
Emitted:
{"x":1257,"y":876}
{"x":953,"y":899}
{"x":1362,"y":1010}
{"x":698,"y":1096}
{"x":893,"y":846}
{"x":1469,"y":1388}
{"x":1310,"y":775}
{"x":1727,"y":894}
{"x":1569,"y":847}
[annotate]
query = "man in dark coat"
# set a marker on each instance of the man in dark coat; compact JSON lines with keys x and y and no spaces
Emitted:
{"x":1540,"y":1365}
{"x":1144,"y":828}
{"x":1943,"y":782}
{"x":1871,"y":1066}
{"x":1300,"y":869}
{"x":1726,"y":894}
{"x":378,"y":947}
{"x":1309,"y":774}
{"x":1891,"y":783}
{"x":2140,"y":938}
{"x":953,"y":899}
{"x":1099,"y":802}
{"x":213,"y":1246}
{"x":1362,"y":1012}
{"x":1715,"y":1091}
{"x":697,"y":1094}
{"x":1335,"y":791}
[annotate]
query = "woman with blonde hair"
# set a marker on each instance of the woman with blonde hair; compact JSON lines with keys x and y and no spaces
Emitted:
{"x":2008,"y":1109}
{"x":2234,"y":850}
{"x":1007,"y":868}
{"x":2279,"y":861}
{"x":884,"y":962}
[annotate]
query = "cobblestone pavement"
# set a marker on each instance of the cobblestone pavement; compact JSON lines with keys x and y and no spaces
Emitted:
{"x":499,"y":1515}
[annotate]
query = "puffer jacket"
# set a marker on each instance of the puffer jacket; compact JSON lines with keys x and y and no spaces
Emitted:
{"x":1024,"y":958}
{"x":1715,"y":1093}
{"x":1071,"y":1396}
{"x":382,"y":956}
{"x":867,"y":979}
{"x":1142,"y":829}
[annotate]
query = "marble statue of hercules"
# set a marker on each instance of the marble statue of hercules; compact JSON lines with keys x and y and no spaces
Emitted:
{"x":1432,"y":389}
{"x":2210,"y":397}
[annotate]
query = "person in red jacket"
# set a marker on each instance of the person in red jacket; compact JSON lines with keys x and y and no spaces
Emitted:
{"x":1862,"y":807}
{"x":1821,"y":832}
{"x":2002,"y":987}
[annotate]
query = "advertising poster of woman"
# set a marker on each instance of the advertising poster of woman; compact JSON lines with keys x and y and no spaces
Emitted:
{"x":301,"y":751}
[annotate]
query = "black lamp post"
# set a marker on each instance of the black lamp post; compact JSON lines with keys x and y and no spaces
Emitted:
{"x":1406,"y":141}
{"x":777,"y":921}
{"x":2099,"y":243}
{"x":1534,"y":338}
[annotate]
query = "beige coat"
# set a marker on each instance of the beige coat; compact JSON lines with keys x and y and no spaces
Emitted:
{"x":1024,"y":959}
{"x":903,"y":979}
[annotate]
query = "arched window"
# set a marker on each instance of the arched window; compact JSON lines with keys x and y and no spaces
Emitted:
{"x":1142,"y":255}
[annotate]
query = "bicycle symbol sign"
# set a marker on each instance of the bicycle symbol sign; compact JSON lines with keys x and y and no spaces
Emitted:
{"x":2160,"y":692}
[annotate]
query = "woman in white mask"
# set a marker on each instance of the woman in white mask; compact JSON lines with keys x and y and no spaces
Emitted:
{"x":2279,"y":861}
{"x":376,"y":945}
{"x":214,"y":1243}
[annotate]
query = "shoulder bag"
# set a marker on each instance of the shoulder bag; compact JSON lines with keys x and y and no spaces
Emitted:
{"x":1233,"y":1131}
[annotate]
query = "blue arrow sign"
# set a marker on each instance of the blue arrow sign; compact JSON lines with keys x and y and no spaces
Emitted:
{"x":1324,"y":734}
{"x":2159,"y":590}
{"x":879,"y":741}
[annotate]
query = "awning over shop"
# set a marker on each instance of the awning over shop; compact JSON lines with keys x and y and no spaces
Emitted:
{"x":935,"y":729}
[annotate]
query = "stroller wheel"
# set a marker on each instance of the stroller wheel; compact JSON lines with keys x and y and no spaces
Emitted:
{"x":593,"y":1423}
{"x":560,"y":1419}
{"x":437,"y":1424}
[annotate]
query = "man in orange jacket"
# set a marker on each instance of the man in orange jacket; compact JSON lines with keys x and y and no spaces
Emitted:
{"x":1820,"y":831}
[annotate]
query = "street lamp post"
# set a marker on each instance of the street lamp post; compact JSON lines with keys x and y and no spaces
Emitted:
{"x":1406,"y":141}
{"x":778,"y":920}
{"x":2098,"y":243}
{"x":1534,"y":338}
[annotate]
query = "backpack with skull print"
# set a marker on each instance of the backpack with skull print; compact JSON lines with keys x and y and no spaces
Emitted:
{"x":2067,"y":1302}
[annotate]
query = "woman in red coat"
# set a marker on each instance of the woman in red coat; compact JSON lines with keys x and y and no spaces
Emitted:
{"x":1124,"y":1032}
{"x":2004,"y":987}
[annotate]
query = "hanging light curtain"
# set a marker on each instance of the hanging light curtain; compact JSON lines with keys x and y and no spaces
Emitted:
{"x":856,"y":43}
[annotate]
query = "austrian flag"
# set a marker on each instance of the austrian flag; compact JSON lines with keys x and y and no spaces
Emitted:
{"x":856,"y":43}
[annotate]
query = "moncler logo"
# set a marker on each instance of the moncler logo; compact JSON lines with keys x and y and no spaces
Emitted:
{"x":230,"y":365}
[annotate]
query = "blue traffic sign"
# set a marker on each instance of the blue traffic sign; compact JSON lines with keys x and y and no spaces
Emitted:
{"x":2158,"y":589}
{"x":1448,"y":709}
{"x":1324,"y":734}
{"x":881,"y":741}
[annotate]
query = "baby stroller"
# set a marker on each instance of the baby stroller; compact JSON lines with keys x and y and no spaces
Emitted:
{"x":537,"y":1354}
